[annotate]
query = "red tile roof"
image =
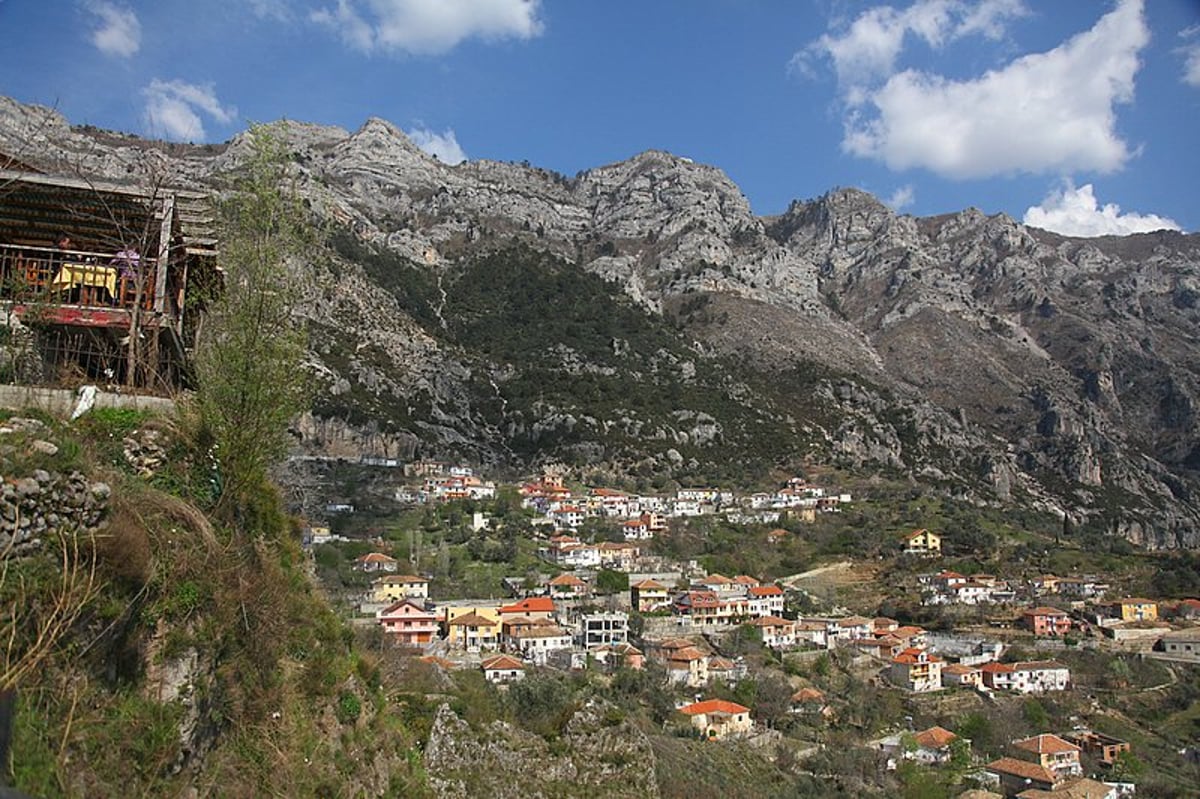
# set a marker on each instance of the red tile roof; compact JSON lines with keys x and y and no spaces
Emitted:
{"x":536,"y":604}
{"x":808,"y":695}
{"x":375,"y":557}
{"x":472,"y":620}
{"x":713,"y":706}
{"x":935,"y":738}
{"x":504,"y":662}
{"x":770,"y":621}
{"x":567,"y":579}
{"x":1046,"y":744}
{"x":1022,"y":769}
{"x":765,"y":590}
{"x":649,"y":585}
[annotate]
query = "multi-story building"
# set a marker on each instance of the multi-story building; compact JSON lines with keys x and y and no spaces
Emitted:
{"x":917,"y":670}
{"x":602,"y":629}
{"x":1047,"y":621}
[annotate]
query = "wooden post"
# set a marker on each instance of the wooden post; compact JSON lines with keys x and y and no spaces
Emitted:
{"x":164,"y":253}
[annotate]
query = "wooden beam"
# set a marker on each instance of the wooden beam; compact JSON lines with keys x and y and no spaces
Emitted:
{"x":164,"y":252}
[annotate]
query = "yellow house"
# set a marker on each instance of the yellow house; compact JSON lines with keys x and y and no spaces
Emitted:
{"x":1137,"y":609}
{"x":395,"y":587}
{"x":922,"y":542}
{"x":472,"y":627}
{"x":649,"y":595}
{"x":717,"y":719}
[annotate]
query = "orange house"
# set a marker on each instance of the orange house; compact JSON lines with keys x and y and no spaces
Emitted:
{"x":1047,"y":621}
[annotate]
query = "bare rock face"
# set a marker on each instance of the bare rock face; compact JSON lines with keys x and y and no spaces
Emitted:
{"x":1010,"y":363}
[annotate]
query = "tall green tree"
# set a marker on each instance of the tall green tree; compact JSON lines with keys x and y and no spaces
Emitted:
{"x":250,"y":356}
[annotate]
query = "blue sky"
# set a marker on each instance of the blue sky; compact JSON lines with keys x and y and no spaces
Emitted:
{"x":1083,"y":117}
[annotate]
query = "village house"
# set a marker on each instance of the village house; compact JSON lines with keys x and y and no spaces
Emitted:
{"x":956,"y":675}
{"x":884,"y":647}
{"x":1187,"y":609}
{"x":568,"y":516}
{"x":685,"y":664}
{"x":1047,"y":621}
{"x":535,"y":642}
{"x":777,"y":633}
{"x":1045,"y":584}
{"x":568,"y":586}
{"x":812,"y":632}
{"x":717,"y":719}
{"x":1027,"y":677}
{"x":603,"y":629}
{"x":1181,"y":644}
{"x":502,"y":669}
{"x":1051,"y":752}
{"x":1020,"y":775}
{"x":923,"y":543}
{"x":765,"y":600}
{"x":917,"y":670}
{"x":931,"y":746}
{"x":393,"y":587}
{"x":472,"y":628}
{"x":811,"y":702}
{"x":1134,"y":609}
{"x":619,"y":556}
{"x":408,"y":623}
{"x":571,"y":553}
{"x":636,"y":530}
{"x":1081,"y":588}
{"x":724,"y":670}
{"x":619,"y":655}
{"x":375,"y":562}
{"x":647,"y":596}
{"x":1104,"y":748}
{"x":882,"y":624}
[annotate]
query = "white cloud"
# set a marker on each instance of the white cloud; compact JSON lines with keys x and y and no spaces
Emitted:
{"x":428,"y":27}
{"x":902,"y":197}
{"x":444,"y":146}
{"x":1191,"y":56}
{"x":1075,"y":212}
{"x":274,"y":10}
{"x":118,"y":31}
{"x":867,"y":50}
{"x":174,"y":108}
{"x":1043,"y":112}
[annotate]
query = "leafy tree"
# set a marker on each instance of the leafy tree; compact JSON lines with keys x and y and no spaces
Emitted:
{"x":611,"y":582}
{"x":249,"y":359}
{"x":1127,"y":767}
{"x":542,"y":703}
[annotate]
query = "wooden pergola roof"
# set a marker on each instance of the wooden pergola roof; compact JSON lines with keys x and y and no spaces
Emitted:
{"x":100,"y":215}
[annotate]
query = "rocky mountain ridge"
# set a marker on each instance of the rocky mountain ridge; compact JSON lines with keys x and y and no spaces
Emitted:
{"x":978,"y":356}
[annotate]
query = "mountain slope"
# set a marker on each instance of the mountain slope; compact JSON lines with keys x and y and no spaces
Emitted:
{"x":638,"y":319}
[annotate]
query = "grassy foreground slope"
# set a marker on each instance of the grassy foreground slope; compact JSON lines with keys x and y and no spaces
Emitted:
{"x":195,"y":655}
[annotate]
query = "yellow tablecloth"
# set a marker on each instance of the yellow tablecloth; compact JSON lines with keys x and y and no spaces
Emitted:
{"x":86,"y":275}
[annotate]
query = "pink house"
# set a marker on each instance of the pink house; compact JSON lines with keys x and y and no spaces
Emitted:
{"x":409,"y":623}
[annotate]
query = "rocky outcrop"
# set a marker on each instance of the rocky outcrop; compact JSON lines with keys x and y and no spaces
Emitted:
{"x":599,"y":754}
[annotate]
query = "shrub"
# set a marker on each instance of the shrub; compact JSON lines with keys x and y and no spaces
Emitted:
{"x":349,"y":707}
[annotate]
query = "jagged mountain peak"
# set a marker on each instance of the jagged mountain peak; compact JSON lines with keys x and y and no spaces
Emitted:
{"x":997,"y":360}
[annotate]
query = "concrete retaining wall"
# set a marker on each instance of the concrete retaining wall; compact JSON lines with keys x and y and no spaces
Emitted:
{"x":61,"y":401}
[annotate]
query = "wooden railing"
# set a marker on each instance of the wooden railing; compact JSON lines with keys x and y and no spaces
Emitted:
{"x":48,"y":276}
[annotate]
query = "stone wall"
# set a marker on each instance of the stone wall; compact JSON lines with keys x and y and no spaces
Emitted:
{"x":42,"y":504}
